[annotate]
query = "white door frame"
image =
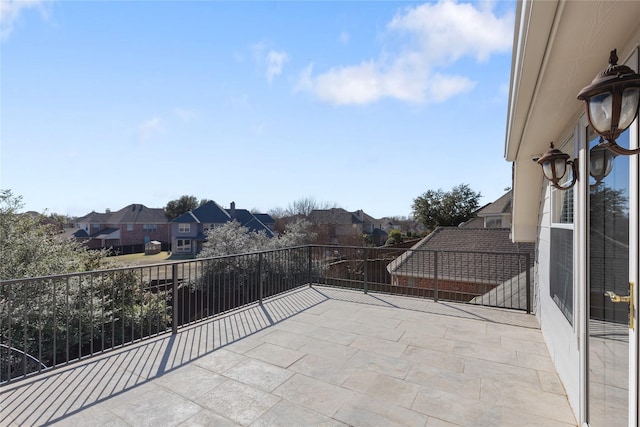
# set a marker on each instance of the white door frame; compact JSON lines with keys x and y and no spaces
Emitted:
{"x":581,"y":253}
{"x":634,"y":254}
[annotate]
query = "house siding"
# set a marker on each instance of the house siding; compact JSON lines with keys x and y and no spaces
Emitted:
{"x":559,"y":48}
{"x":137,"y":236}
{"x":194,"y":229}
{"x":559,"y":334}
{"x":209,"y":216}
{"x":129,"y":222}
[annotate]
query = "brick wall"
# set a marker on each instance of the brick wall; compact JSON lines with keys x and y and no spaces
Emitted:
{"x":136,"y":237}
{"x":457,"y":286}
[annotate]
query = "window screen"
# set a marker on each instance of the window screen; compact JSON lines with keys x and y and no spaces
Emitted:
{"x":561,"y":270}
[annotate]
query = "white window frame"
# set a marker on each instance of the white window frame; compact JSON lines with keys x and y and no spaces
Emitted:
{"x":183,"y":245}
{"x":569,"y":146}
{"x":490,"y":220}
{"x":184,"y":228}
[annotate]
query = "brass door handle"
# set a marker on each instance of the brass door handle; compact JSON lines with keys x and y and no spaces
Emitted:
{"x":617,"y":298}
{"x":628,"y":299}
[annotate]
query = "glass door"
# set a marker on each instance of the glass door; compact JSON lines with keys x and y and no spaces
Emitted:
{"x":608,"y":272}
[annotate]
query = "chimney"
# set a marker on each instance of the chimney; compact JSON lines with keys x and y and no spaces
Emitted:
{"x":233,"y":209}
{"x":107,"y":210}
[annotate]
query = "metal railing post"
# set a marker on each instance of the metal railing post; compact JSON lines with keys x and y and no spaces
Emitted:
{"x":9,"y":316}
{"x":364,"y":267}
{"x":527,"y":260}
{"x":260,"y":284}
{"x":309,"y":270}
{"x":174,"y":298}
{"x":435,"y":276}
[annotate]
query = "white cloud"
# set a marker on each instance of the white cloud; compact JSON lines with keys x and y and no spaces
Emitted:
{"x":10,"y":11}
{"x":438,"y":35}
{"x":448,"y":30}
{"x":275,"y":61}
{"x":149,"y":128}
{"x":442,"y":87}
{"x":359,"y":84}
{"x":272,"y":60}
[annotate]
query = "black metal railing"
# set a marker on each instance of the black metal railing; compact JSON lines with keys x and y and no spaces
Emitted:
{"x":495,"y":279}
{"x":46,"y":322}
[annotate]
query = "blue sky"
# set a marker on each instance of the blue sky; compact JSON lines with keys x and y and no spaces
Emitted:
{"x":366,"y":105}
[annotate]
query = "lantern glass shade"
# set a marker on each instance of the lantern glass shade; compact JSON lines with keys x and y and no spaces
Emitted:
{"x":612,"y":100}
{"x":554,"y":169}
{"x":600,"y":162}
{"x":600,"y":112}
{"x":630,"y":102}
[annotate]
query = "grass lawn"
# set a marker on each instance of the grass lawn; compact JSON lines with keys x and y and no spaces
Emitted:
{"x":141,"y":259}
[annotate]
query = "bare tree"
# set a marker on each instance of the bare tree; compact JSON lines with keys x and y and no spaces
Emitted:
{"x":305,"y":205}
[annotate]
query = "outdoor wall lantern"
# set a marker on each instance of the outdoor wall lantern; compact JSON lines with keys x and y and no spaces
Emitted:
{"x":612,"y":101}
{"x":554,"y":166}
{"x":600,"y":162}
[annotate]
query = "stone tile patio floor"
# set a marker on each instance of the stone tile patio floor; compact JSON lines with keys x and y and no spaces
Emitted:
{"x":316,"y":356}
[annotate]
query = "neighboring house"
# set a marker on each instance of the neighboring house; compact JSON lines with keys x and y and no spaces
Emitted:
{"x":587,"y":237}
{"x":408,"y":227}
{"x":493,"y":215}
{"x":133,"y":225}
{"x":340,"y":226}
{"x":189,"y":230}
{"x":254,"y":222}
{"x":267,"y":220}
{"x":470,"y":261}
{"x":498,"y":213}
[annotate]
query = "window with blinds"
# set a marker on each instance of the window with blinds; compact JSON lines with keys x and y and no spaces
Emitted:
{"x":562,"y":200}
{"x":561,"y":253}
{"x":561,"y":270}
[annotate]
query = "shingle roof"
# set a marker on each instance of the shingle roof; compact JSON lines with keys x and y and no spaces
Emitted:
{"x":210,"y":213}
{"x":510,"y":293}
{"x":472,"y":239}
{"x":138,"y":214}
{"x":475,"y":222}
{"x":80,"y":234}
{"x":186,"y":217}
{"x":249,"y":220}
{"x":213,"y":213}
{"x":333,"y":216}
{"x":500,"y":206}
{"x":73,"y":233}
{"x":265,"y":218}
{"x":468,"y":253}
{"x":94,"y":217}
{"x":369,"y":219}
{"x":107,"y":234}
{"x":134,"y":213}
